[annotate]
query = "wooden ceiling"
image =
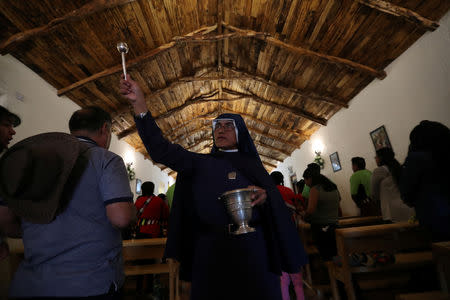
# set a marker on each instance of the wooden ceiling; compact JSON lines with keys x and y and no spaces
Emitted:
{"x":286,"y":66}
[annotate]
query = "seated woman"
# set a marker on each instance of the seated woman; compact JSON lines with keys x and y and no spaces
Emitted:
{"x":384,"y":187}
{"x":322,"y":212}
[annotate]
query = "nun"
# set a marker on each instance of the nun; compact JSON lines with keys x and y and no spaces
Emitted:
{"x":220,"y":264}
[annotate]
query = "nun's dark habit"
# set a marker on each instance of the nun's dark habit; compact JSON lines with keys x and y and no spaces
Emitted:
{"x":221,"y":265}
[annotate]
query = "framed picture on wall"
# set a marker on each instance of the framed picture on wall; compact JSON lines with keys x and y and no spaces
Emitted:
{"x":380,"y":138}
{"x":138,"y":186}
{"x":335,"y":162}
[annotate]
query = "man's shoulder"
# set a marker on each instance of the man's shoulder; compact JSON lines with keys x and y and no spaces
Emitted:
{"x":361,"y":173}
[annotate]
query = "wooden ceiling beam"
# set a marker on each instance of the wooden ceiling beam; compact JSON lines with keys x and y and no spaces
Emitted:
{"x":292,"y":110}
{"x":285,"y":152}
{"x":404,"y":13}
{"x":196,"y":100}
{"x":302,"y":51}
{"x":179,"y":138}
{"x":212,"y":115}
{"x":88,"y":9}
{"x":203,"y":139}
{"x":268,"y":163}
{"x":130,"y":63}
{"x":301,"y":93}
{"x":242,"y":75}
{"x":200,"y":35}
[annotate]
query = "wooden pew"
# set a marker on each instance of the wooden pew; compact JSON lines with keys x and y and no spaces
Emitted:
{"x":392,"y":238}
{"x":304,"y":230}
{"x":141,"y":249}
{"x":441,"y":255}
{"x":359,"y":221}
{"x":132,"y":250}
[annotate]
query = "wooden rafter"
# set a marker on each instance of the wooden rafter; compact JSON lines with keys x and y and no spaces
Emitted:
{"x":268,"y":163}
{"x":200,"y":36}
{"x":302,"y":51}
{"x":270,"y":157}
{"x":302,"y":93}
{"x":209,"y":116}
{"x":180,"y":138}
{"x":88,"y":9}
{"x":289,"y":109}
{"x":208,"y":138}
{"x":243,"y":75}
{"x":283,"y":151}
{"x":130,"y":63}
{"x":292,"y":110}
{"x":398,"y":11}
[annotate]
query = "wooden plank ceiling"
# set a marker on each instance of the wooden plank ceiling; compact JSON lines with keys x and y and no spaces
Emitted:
{"x":286,"y":66}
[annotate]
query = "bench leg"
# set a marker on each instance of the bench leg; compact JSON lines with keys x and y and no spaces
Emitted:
{"x":333,"y":283}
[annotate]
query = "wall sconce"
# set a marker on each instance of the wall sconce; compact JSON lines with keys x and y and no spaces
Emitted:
{"x":317,"y":147}
{"x":318,"y":159}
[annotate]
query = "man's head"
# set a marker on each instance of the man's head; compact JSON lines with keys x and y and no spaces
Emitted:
{"x":94,"y":123}
{"x":277,"y":177}
{"x":358,"y":163}
{"x":8,"y":121}
{"x":148,"y":188}
{"x":225,"y":134}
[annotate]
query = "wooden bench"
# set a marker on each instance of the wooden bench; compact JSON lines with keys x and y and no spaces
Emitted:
{"x":304,"y":230}
{"x":359,"y":221}
{"x":441,"y":255}
{"x":401,"y":239}
{"x":142,"y":249}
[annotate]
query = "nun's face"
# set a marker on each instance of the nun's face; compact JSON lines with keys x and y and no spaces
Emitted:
{"x":225,"y":135}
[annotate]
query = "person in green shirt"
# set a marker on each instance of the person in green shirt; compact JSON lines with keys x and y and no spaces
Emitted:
{"x":169,"y":195}
{"x":360,"y":187}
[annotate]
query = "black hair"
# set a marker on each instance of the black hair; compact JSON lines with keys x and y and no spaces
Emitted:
{"x":277,"y":177}
{"x":432,"y":137}
{"x":162,"y":196}
{"x":147,"y":188}
{"x":359,"y":162}
{"x":319,"y":179}
{"x":7,"y":115}
{"x":314,"y":167}
{"x":90,"y":119}
{"x":387,"y":157}
{"x":300,"y":185}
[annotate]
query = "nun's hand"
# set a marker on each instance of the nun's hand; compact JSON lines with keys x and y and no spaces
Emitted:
{"x":259,"y":196}
{"x":131,"y":90}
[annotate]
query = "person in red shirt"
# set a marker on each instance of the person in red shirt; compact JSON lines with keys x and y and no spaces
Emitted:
{"x":152,"y":213}
{"x":292,"y":201}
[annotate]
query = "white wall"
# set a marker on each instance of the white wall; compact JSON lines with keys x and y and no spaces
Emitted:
{"x":417,"y":87}
{"x":41,"y":110}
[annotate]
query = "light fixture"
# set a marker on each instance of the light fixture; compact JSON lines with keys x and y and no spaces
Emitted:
{"x":319,"y":160}
{"x":317,"y":147}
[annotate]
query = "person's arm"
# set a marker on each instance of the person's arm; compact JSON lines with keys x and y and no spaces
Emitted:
{"x":121,"y":214}
{"x":312,"y":201}
{"x":9,"y":226}
{"x":9,"y":223}
{"x":161,"y":150}
{"x":116,"y":192}
{"x":377,"y":176}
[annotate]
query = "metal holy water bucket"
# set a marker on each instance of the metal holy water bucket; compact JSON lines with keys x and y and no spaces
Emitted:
{"x":238,"y":204}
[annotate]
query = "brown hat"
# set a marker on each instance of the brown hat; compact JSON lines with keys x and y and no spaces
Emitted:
{"x":6,"y":114}
{"x":34,"y":172}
